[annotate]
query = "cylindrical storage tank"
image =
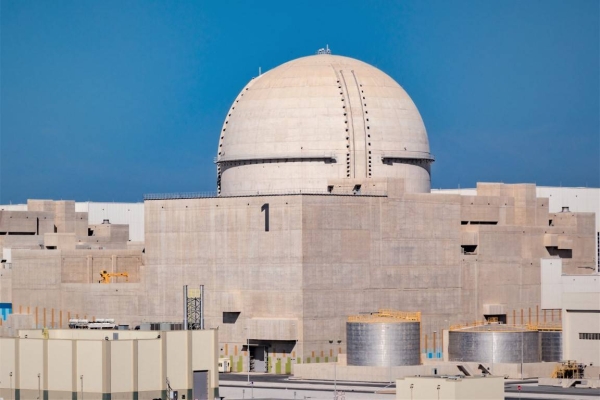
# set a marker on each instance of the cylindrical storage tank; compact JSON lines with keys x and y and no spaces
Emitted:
{"x":551,"y":342}
{"x":495,"y":344}
{"x":384,"y":340}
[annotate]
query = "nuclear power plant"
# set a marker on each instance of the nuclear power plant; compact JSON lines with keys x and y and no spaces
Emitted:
{"x":323,"y":211}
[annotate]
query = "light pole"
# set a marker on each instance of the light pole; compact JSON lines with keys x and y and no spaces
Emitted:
{"x":388,"y":339}
{"x":81,"y":378}
{"x":411,"y":389}
{"x":334,"y":376}
{"x":39,"y":387}
{"x":11,"y":389}
{"x":438,"y":391}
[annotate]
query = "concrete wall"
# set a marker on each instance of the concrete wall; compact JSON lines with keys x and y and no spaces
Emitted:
{"x":579,"y":200}
{"x":322,"y":258}
{"x":329,"y":371}
{"x":327,"y":257}
{"x":427,"y":388}
{"x":68,"y":281}
{"x":123,"y":368}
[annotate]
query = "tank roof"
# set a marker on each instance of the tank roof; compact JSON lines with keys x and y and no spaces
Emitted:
{"x":386,"y":316}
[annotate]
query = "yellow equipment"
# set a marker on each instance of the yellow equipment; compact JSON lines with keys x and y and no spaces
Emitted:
{"x":568,"y":370}
{"x":105,"y":275}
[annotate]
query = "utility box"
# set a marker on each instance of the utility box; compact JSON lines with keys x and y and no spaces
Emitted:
{"x":224,"y":365}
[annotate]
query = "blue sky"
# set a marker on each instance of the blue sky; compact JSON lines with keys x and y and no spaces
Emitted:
{"x":108,"y":100}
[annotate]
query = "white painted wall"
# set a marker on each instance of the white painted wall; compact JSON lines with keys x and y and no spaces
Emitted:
{"x":581,"y":314}
{"x":13,"y":207}
{"x":554,"y":284}
{"x":131,"y":214}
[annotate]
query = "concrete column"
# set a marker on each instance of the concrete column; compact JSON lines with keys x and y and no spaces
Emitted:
{"x":106,"y":366}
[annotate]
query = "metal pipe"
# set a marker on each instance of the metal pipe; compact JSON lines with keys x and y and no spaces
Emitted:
{"x":185,"y":308}
{"x":248,"y":348}
{"x":201,"y":306}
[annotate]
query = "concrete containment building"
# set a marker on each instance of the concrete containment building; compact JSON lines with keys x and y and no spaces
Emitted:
{"x":318,"y":119}
{"x":387,"y":338}
{"x":323,"y":211}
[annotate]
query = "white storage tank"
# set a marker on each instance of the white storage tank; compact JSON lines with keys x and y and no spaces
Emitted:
{"x":496,"y":343}
{"x":385,"y":338}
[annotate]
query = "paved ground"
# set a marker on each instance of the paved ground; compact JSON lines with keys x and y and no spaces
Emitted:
{"x":266,"y":387}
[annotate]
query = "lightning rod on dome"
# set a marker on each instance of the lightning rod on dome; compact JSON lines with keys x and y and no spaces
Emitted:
{"x":326,"y":50}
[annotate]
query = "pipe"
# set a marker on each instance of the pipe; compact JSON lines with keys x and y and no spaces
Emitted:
{"x":201,"y":306}
{"x":185,"y":309}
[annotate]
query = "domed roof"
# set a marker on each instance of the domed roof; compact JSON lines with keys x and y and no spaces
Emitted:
{"x":321,"y":118}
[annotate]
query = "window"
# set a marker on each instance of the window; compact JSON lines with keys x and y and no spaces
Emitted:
{"x":589,"y":336}
{"x":230,"y":317}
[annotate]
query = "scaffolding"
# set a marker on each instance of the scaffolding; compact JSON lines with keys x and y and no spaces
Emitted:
{"x":193,"y":308}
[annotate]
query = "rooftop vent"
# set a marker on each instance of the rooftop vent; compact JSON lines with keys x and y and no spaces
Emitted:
{"x":326,"y":50}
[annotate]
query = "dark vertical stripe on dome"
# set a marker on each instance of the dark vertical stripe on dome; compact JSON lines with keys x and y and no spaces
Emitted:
{"x":351,"y":119}
{"x":364,"y":125}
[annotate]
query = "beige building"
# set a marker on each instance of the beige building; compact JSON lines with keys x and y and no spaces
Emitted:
{"x":323,"y":210}
{"x":455,"y":388}
{"x":52,"y":259}
{"x":99,"y":364}
{"x":578,"y":298}
{"x":581,"y":327}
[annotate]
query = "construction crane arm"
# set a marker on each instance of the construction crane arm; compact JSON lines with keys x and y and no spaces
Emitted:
{"x":106,"y":276}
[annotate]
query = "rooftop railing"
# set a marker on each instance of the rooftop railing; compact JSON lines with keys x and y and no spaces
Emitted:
{"x":289,"y":192}
{"x":386,"y":315}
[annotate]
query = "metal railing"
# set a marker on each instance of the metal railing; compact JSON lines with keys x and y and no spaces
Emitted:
{"x":385,"y":315}
{"x":286,"y":192}
{"x":548,"y":326}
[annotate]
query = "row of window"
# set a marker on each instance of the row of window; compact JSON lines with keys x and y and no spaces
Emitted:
{"x":589,"y":336}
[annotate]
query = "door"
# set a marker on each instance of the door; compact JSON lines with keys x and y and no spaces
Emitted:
{"x":200,"y":385}
{"x":259,"y":358}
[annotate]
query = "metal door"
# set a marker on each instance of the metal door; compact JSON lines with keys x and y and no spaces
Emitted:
{"x":200,"y":385}
{"x":259,"y":357}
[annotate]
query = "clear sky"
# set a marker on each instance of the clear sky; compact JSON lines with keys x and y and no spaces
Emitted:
{"x":108,"y":100}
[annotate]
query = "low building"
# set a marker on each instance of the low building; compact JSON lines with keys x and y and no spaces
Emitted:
{"x":581,"y":327}
{"x":578,"y":296}
{"x":100,"y":364}
{"x":446,"y":387}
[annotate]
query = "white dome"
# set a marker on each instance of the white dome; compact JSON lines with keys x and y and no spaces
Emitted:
{"x":321,"y":118}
